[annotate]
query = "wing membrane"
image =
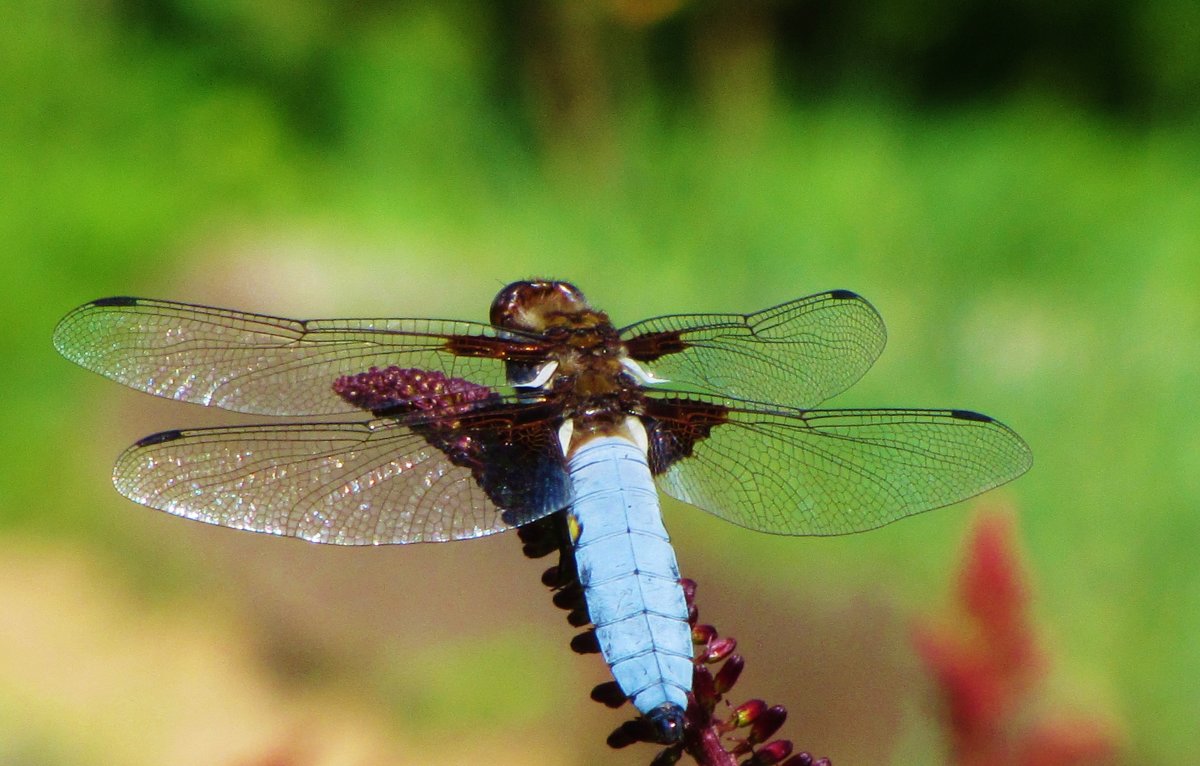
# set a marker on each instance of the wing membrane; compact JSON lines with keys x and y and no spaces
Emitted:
{"x":266,"y":365}
{"x":797,"y":354}
{"x":367,"y":483}
{"x":827,"y":472}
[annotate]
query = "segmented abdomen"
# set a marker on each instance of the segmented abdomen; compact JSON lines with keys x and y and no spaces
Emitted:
{"x":629,"y":575}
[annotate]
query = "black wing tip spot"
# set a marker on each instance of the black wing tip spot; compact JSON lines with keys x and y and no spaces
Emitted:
{"x":971,"y":415}
{"x":120,"y":301}
{"x":159,"y":438}
{"x":844,"y":295}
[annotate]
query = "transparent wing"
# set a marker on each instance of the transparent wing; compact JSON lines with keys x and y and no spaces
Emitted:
{"x":268,"y":365}
{"x":797,"y":354}
{"x":826,"y":472}
{"x":343,"y":483}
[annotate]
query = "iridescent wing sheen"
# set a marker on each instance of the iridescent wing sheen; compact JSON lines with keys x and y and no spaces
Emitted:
{"x":269,"y":365}
{"x":797,"y":354}
{"x":825,"y":472}
{"x":368,"y":483}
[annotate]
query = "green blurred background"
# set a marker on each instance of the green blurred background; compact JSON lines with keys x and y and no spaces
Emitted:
{"x":1015,"y":185}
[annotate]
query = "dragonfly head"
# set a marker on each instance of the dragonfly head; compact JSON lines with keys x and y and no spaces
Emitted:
{"x":537,"y":305}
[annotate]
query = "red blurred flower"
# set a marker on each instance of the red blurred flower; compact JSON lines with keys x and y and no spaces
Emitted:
{"x":988,"y":668}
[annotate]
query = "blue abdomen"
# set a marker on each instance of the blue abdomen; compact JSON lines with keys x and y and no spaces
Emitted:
{"x":630,"y":578}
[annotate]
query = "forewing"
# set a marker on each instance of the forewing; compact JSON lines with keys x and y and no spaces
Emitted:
{"x":269,"y":365}
{"x":826,"y":472}
{"x":797,"y":354}
{"x":368,"y":483}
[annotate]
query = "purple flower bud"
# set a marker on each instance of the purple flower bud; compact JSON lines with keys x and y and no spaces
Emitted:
{"x":626,"y":734}
{"x":568,"y":598}
{"x":410,"y":390}
{"x":772,"y":753}
{"x":541,"y":538}
{"x":693,"y":614}
{"x":668,"y":757}
{"x":550,"y":578}
{"x":689,"y":589}
{"x":799,"y":759}
{"x":609,"y":694}
{"x":727,"y":676}
{"x":536,"y":549}
{"x":720,"y":649}
{"x":768,"y":723}
{"x":585,"y":643}
{"x":703,"y":688}
{"x":578,"y":617}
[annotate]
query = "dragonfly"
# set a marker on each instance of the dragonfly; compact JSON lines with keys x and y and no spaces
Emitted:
{"x":465,"y":429}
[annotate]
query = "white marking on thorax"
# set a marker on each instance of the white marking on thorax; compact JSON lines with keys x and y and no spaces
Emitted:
{"x":565,"y":432}
{"x":640,"y":373}
{"x":541,"y":379}
{"x":636,"y":430}
{"x":632,"y":429}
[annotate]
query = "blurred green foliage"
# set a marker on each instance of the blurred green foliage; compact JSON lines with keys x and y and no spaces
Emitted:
{"x":1015,"y":185}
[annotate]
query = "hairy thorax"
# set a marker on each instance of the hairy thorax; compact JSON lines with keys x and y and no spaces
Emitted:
{"x":587,"y":372}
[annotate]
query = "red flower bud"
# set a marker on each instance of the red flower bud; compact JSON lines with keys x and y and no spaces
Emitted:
{"x":727,"y":676}
{"x":768,"y":723}
{"x":703,"y":687}
{"x":748,"y":712}
{"x":720,"y":649}
{"x":626,"y":734}
{"x":772,"y":753}
{"x":585,"y":643}
{"x":668,"y":757}
{"x":689,"y":589}
{"x":609,"y":694}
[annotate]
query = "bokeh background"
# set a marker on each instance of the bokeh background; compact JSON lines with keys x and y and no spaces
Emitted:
{"x":1015,"y":185}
